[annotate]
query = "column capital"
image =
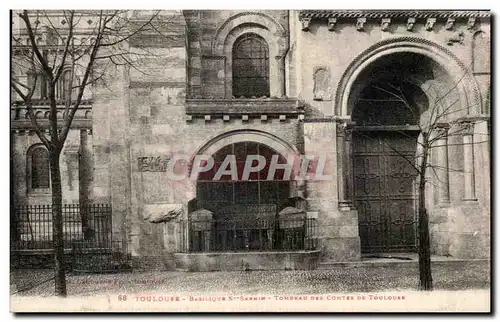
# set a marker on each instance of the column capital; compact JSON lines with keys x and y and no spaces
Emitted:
{"x":305,"y":23}
{"x":467,"y":127}
{"x":344,"y":129}
{"x":441,"y":131}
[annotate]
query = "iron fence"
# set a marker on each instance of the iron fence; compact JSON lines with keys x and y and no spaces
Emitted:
{"x":87,"y":238}
{"x":34,"y":226}
{"x":87,"y":258}
{"x":248,"y":235}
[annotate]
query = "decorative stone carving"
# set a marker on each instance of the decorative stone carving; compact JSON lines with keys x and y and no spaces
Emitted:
{"x":449,"y":24}
{"x":467,"y":128}
{"x":385,"y":24}
{"x":305,"y":23}
{"x":322,"y":88}
{"x":360,"y":24}
{"x":153,"y":164}
{"x":471,"y":23}
{"x":331,"y":23}
{"x":410,"y":23}
{"x":159,"y":213}
{"x":456,"y":38}
{"x":441,"y":132}
{"x":344,"y":130}
{"x":429,"y":24}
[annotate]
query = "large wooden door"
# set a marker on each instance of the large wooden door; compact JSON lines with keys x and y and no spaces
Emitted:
{"x":384,"y":188}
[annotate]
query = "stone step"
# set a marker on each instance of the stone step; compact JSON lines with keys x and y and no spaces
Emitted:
{"x":385,"y":262}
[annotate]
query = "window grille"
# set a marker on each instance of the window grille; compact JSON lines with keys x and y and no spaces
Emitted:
{"x":250,"y":67}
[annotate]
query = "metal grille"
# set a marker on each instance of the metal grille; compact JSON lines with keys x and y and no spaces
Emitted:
{"x":87,"y":238}
{"x":214,"y":194}
{"x":33,"y":226}
{"x":248,"y":234}
{"x":250,"y":66}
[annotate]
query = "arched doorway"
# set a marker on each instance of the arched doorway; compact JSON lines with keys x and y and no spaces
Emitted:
{"x":390,"y":107}
{"x":243,"y":214}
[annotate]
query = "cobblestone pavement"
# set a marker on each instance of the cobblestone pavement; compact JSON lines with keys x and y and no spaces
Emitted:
{"x":446,"y":276}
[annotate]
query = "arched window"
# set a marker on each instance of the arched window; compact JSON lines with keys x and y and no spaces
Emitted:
{"x":39,"y":168}
{"x":250,"y":66}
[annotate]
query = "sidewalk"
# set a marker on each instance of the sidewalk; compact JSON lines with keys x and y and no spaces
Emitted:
{"x":447,"y":275}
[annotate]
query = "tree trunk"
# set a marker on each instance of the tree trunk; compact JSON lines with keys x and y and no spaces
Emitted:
{"x":424,"y":250}
{"x":57,"y":225}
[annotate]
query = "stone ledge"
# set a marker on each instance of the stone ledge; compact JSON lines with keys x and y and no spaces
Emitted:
{"x":392,"y":263}
{"x":242,"y":261}
{"x":270,"y":106}
{"x":44,"y":124}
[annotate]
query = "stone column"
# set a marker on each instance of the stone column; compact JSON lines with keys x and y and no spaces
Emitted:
{"x":442,"y":170}
{"x":344,"y":166}
{"x":281,"y":76}
{"x":469,"y":179}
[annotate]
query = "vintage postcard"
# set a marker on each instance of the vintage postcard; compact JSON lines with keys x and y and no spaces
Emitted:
{"x":250,"y":161}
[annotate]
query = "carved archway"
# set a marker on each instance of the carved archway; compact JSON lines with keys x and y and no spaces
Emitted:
{"x":461,"y":75}
{"x":221,"y":140}
{"x":257,"y":19}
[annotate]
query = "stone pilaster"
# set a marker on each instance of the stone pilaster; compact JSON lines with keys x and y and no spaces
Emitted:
{"x":281,"y":90}
{"x":337,"y":230}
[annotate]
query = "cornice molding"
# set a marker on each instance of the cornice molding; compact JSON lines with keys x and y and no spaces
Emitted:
{"x":326,"y":14}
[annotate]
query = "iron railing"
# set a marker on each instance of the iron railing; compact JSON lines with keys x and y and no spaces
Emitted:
{"x":247,"y":235}
{"x":34,"y":226}
{"x":87,"y":238}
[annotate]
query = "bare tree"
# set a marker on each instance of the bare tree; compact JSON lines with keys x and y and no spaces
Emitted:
{"x":56,"y":57}
{"x":436,"y":122}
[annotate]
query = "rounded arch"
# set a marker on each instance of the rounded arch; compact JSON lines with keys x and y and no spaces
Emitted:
{"x":258,"y":19}
{"x":221,"y":140}
{"x":274,"y":51}
{"x":461,"y":75}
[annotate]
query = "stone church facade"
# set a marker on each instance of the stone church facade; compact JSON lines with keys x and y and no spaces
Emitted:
{"x":298,"y":82}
